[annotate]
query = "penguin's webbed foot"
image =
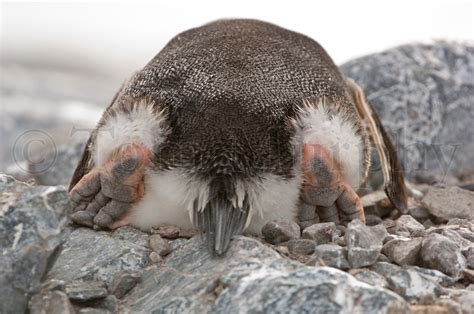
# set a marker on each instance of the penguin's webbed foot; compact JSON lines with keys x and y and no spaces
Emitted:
{"x":325,"y":188}
{"x":106,"y":194}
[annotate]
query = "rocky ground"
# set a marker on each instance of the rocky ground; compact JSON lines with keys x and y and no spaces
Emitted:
{"x":422,"y":261}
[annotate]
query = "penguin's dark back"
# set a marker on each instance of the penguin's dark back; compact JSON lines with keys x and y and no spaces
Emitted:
{"x":229,"y":90}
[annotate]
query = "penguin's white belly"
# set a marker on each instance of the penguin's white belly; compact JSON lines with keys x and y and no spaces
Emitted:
{"x":170,"y":195}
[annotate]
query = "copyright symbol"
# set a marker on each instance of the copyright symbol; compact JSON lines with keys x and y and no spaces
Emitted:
{"x":37,"y":148}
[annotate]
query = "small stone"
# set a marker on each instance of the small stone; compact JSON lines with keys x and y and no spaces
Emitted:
{"x":468,"y":275}
{"x":419,"y":213}
{"x":409,"y":224}
{"x":91,"y":310}
{"x":154,"y":257}
{"x":390,"y":225}
{"x":466,"y":299}
{"x":321,"y":233}
{"x":283,"y":250}
{"x":403,"y":252}
{"x":428,"y":223}
{"x":372,"y":220}
{"x":123,"y":282}
{"x":370,"y":277}
{"x":159,"y":245}
{"x":109,"y":303}
{"x":329,"y":255}
{"x":301,"y":246}
{"x":435,"y":276}
{"x":86,"y":291}
{"x":166,"y":231}
{"x":459,"y":222}
{"x":53,"y":284}
{"x":187,"y":233}
{"x":469,"y":254}
{"x":441,"y":253}
{"x":364,"y":243}
{"x":455,"y":237}
{"x":450,"y":202}
{"x":408,"y":282}
{"x":54,"y":302}
{"x":429,"y":309}
{"x":278,"y":231}
{"x":383,"y":258}
{"x":466,"y":234}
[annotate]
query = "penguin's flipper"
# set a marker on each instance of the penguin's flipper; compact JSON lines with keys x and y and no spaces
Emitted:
{"x":394,"y":182}
{"x":104,"y":196}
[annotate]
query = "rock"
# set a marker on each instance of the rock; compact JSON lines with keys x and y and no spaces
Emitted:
{"x":372,"y":220}
{"x":97,"y":255}
{"x":52,"y":302}
{"x":53,"y":284}
{"x":329,"y":255}
{"x":159,"y":245}
{"x":174,"y":244}
{"x":154,"y":257}
{"x":468,"y":274}
{"x":363,"y":243}
{"x":450,"y":202}
{"x":409,"y":224}
{"x":370,"y":277}
{"x":403,"y":252}
{"x":443,"y":254}
{"x":454,"y":236}
{"x":123,"y":282}
{"x":301,"y":246}
{"x":466,"y":299}
{"x":86,"y":291}
{"x":251,"y":277}
{"x":408,"y":283}
{"x":424,"y":102}
{"x":419,"y":213}
{"x":430,"y":309}
{"x":469,"y":255}
{"x":187,"y":233}
{"x":91,"y":310}
{"x":435,"y":276}
{"x":278,"y":231}
{"x":321,"y":233}
{"x":166,"y":231}
{"x":31,"y":220}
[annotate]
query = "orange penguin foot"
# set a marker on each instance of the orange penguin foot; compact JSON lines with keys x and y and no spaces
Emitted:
{"x":326,"y":189}
{"x":106,"y":196}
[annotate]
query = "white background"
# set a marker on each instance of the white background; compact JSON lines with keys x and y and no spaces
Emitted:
{"x":121,"y":37}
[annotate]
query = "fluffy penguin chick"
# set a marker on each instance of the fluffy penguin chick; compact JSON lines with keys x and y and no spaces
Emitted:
{"x":233,"y":124}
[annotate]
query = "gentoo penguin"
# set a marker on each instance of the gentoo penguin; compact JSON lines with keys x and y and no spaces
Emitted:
{"x":232,"y":125}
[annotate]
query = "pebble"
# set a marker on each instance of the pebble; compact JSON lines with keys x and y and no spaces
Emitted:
{"x":372,"y":220}
{"x":51,"y":302}
{"x":123,"y":282}
{"x":166,"y":231}
{"x":301,"y":246}
{"x":154,"y":257}
{"x":278,"y":231}
{"x":407,"y":223}
{"x":403,"y":252}
{"x":370,"y":277}
{"x":329,"y":255}
{"x":159,"y":245}
{"x":53,"y":284}
{"x":408,"y":283}
{"x":86,"y":291}
{"x":469,"y":254}
{"x":364,"y":243}
{"x":441,"y":253}
{"x":187,"y":233}
{"x":322,"y":233}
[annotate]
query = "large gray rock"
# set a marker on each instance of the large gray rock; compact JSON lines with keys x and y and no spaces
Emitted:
{"x":89,"y":255}
{"x":423,"y":94}
{"x":252,"y":278}
{"x":31,"y":219}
